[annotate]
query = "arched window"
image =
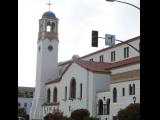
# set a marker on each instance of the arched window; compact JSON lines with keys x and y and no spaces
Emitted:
{"x":100,"y":107}
{"x":48,"y":95}
{"x":130,"y":89}
{"x":52,"y":27}
{"x":108,"y":106}
{"x":73,"y":89}
{"x":114,"y":95}
{"x":48,"y":28}
{"x":81,"y":90}
{"x":133,"y":88}
{"x":65,"y":93}
{"x":55,"y":95}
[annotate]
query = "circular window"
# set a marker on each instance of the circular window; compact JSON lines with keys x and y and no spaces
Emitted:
{"x":50,"y":48}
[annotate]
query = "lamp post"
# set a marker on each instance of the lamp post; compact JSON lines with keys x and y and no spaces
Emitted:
{"x":134,"y":99}
{"x":123,"y":2}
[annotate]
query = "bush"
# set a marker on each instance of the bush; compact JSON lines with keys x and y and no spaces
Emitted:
{"x":131,"y":112}
{"x":22,"y":113}
{"x":80,"y":114}
{"x":64,"y":118}
{"x":54,"y":116}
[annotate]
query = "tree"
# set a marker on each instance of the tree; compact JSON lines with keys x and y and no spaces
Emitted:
{"x":131,"y":112}
{"x":79,"y":114}
{"x":22,"y":113}
{"x":55,"y":116}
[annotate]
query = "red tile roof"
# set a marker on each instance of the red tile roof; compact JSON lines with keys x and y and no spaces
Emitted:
{"x":102,"y":67}
{"x":93,"y":66}
{"x":99,"y":67}
{"x":124,"y":62}
{"x":53,"y":81}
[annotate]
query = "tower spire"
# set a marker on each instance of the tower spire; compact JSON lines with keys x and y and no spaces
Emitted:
{"x":49,"y":4}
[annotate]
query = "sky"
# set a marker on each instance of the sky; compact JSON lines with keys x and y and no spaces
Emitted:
{"x":77,"y":19}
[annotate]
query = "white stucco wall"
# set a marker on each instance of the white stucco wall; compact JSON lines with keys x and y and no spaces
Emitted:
{"x":48,"y":59}
{"x":91,"y":83}
{"x":119,"y":53}
{"x":125,"y":68}
{"x":80,"y":75}
{"x":65,"y":81}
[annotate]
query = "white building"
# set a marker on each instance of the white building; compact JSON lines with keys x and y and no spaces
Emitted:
{"x":89,"y":82}
{"x":25,"y":97}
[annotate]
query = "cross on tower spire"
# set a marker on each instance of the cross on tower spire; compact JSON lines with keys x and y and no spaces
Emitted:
{"x":49,"y":4}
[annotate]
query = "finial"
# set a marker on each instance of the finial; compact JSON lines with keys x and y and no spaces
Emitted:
{"x":49,"y":4}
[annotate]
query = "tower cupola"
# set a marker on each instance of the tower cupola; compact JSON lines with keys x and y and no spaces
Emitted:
{"x":48,"y":14}
{"x":48,"y":26}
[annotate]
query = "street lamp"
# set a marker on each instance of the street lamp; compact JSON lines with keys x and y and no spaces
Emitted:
{"x":123,"y":2}
{"x":134,"y":99}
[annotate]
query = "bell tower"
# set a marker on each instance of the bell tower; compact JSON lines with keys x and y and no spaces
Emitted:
{"x":47,"y":61}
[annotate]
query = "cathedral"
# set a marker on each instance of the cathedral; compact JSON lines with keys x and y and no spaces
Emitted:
{"x":103,"y":82}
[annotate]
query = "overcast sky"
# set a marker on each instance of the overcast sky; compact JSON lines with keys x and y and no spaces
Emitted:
{"x":77,"y":18}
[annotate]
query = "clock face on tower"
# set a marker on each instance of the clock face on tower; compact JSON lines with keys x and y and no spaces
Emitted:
{"x":50,"y":48}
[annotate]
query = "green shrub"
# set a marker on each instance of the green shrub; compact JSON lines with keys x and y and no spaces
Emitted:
{"x":80,"y":114}
{"x":131,"y":112}
{"x":54,"y":116}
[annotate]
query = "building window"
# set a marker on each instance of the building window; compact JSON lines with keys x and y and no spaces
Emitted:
{"x":52,"y":27}
{"x":123,"y":91}
{"x":100,"y":107}
{"x":108,"y":106}
{"x":126,"y":52}
{"x":101,"y":58}
{"x":81,"y":90}
{"x":48,"y":95}
{"x":65,"y":92}
{"x":50,"y":48}
{"x":112,"y":56}
{"x":48,"y":27}
{"x":91,"y":59}
{"x":25,"y":105}
{"x":114,"y":117}
{"x":31,"y":93}
{"x":133,"y":89}
{"x":55,"y":95}
{"x":114,"y":95}
{"x":130,"y":89}
{"x":19,"y":104}
{"x":73,"y":89}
